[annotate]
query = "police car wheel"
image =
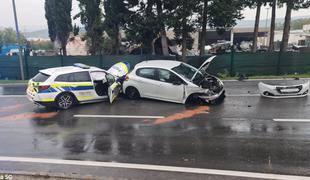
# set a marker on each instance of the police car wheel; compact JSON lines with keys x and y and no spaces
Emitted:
{"x":65,"y":101}
{"x":132,"y":93}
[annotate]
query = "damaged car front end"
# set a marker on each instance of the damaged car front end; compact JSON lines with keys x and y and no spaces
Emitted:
{"x":212,"y":87}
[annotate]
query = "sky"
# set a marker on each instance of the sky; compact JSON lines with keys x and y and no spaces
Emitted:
{"x":31,"y":14}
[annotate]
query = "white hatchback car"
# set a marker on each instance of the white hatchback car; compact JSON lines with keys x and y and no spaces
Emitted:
{"x":66,"y":86}
{"x":173,"y":81}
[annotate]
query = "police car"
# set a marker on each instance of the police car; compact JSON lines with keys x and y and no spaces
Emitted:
{"x":66,"y":86}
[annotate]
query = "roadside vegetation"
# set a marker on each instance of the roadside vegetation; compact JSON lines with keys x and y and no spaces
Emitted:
{"x":287,"y":76}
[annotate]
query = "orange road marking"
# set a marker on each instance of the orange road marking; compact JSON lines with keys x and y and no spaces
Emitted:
{"x":46,"y":115}
{"x":182,"y":115}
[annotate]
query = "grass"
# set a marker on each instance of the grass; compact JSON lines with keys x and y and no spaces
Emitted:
{"x":12,"y":81}
{"x":270,"y":77}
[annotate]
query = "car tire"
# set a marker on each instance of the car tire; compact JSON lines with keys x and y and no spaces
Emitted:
{"x":65,"y":101}
{"x":132,"y":93}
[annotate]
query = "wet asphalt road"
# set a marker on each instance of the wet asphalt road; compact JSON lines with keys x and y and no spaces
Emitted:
{"x":238,"y":134}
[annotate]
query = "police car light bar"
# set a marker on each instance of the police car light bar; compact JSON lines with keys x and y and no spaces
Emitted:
{"x":80,"y":65}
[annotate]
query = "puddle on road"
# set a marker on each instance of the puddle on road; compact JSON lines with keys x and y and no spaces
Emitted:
{"x":11,"y":108}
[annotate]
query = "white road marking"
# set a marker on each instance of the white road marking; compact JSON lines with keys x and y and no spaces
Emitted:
{"x":155,"y":168}
{"x":291,"y":120}
{"x":243,"y":95}
{"x":12,"y":96}
{"x":118,"y":116}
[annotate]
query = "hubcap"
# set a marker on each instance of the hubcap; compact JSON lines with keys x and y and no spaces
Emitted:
{"x":65,"y":101}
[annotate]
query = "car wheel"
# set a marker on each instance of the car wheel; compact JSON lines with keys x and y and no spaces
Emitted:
{"x":65,"y":101}
{"x":132,"y":93}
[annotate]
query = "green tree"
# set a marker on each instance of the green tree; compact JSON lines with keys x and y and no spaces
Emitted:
{"x":203,"y":21}
{"x":183,"y":20}
{"x":272,"y":25}
{"x":76,"y":30}
{"x":290,"y":6}
{"x":142,"y":26}
{"x":162,"y":16}
{"x":92,"y":18}
{"x":223,"y":14}
{"x":8,"y":35}
{"x":256,"y":4}
{"x":115,"y":13}
{"x":58,"y":16}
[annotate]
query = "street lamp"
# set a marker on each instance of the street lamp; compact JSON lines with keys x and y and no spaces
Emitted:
{"x":18,"y":41}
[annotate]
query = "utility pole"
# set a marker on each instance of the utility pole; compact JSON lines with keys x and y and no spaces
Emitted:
{"x":18,"y":41}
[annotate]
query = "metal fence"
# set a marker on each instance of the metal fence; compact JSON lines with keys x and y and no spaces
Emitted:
{"x":231,"y":64}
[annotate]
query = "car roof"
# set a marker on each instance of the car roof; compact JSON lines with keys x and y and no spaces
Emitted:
{"x":67,"y":69}
{"x":166,"y":64}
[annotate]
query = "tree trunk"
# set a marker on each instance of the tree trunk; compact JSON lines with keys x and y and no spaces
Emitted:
{"x":272,"y":26}
{"x":117,"y":41}
{"x":64,"y":50}
{"x":164,"y":43}
{"x":286,"y":30}
{"x":153,"y":46}
{"x":163,"y":35}
{"x":254,"y":48}
{"x":204,"y":28}
{"x":92,"y":49}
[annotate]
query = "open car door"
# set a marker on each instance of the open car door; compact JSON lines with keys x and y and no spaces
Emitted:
{"x":114,"y":87}
{"x":114,"y":90}
{"x":115,"y":77}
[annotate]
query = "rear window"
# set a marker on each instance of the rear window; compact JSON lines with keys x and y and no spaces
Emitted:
{"x":41,"y":77}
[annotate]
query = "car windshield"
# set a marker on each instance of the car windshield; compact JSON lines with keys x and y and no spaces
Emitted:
{"x":188,"y":72}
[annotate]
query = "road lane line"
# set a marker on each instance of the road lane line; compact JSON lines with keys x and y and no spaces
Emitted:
{"x":117,"y":116}
{"x":12,"y":96}
{"x":155,"y":168}
{"x":243,"y":95}
{"x":291,"y":120}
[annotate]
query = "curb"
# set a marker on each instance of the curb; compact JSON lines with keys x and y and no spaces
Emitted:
{"x":45,"y":175}
{"x":277,"y":79}
{"x":13,"y":84}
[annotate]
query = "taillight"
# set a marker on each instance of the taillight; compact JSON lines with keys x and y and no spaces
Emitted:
{"x":42,"y":88}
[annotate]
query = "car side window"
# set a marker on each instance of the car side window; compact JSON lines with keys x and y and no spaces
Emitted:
{"x":167,"y":76}
{"x":82,"y":77}
{"x":110,"y":79}
{"x":97,"y":75}
{"x":148,"y":73}
{"x":74,"y":77}
{"x":65,"y":78}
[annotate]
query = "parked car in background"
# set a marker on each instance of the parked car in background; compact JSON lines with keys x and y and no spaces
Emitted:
{"x":173,"y":81}
{"x":66,"y":86}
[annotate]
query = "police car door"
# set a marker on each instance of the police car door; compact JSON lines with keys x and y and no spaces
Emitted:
{"x":114,"y":88}
{"x":101,"y":84}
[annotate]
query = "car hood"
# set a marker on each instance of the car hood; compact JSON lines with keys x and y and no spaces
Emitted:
{"x":204,"y":66}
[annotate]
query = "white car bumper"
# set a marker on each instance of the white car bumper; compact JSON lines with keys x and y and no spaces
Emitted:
{"x":275,"y":91}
